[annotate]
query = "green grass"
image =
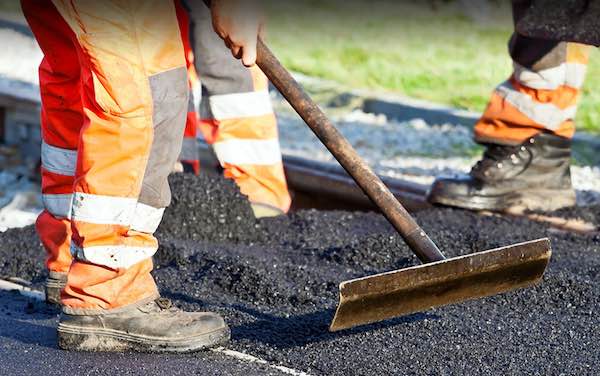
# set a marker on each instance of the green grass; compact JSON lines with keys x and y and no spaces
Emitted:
{"x":440,"y":54}
{"x":437,"y":53}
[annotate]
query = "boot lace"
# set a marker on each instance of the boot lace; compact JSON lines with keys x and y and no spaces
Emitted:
{"x":494,"y":156}
{"x":164,"y":303}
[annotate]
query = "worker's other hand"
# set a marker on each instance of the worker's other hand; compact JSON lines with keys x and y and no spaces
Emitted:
{"x":239,"y":23}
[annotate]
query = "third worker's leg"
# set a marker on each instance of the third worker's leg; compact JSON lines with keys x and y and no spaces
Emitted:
{"x":526,"y":130}
{"x":238,"y":120}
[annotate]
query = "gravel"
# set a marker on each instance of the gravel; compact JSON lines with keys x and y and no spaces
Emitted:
{"x":275,"y":280}
{"x":413,"y":150}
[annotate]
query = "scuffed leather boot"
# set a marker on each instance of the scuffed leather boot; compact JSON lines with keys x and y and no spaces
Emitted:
{"x":55,"y":282}
{"x":150,"y":326}
{"x":535,"y":176}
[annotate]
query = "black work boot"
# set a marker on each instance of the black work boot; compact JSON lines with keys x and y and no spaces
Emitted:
{"x":532,"y":176}
{"x":55,"y":282}
{"x":150,"y":326}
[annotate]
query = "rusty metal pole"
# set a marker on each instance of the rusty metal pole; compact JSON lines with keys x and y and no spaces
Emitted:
{"x":345,"y":154}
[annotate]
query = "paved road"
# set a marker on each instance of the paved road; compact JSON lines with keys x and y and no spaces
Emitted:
{"x":27,"y":347}
{"x":275,"y":282}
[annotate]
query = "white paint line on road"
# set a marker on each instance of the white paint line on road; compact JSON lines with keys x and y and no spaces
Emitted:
{"x":38,"y":295}
{"x":23,"y":290}
{"x":252,"y":359}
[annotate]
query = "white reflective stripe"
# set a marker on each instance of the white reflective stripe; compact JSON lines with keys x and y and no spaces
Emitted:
{"x":252,"y":152}
{"x":575,"y":75}
{"x":545,"y":114}
{"x":240,"y":105}
{"x":113,"y":256}
{"x":107,"y":210}
{"x":569,"y":74}
{"x":196,"y":95}
{"x":146,"y":218}
{"x":59,"y":161}
{"x":58,"y":205}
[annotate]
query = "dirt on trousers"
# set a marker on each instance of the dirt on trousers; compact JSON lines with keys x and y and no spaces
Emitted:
{"x":275,"y":280}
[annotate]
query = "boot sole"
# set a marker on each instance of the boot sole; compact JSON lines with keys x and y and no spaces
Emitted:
{"x":534,"y":200}
{"x":77,"y":338}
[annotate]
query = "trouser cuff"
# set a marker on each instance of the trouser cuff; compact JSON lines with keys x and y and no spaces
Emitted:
{"x":101,"y":311}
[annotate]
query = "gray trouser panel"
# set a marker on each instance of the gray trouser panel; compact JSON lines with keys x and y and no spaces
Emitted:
{"x":219,"y":71}
{"x":534,"y":53}
{"x":170,"y":100}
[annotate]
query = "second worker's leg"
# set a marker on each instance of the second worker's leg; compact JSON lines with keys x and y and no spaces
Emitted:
{"x":238,"y":119}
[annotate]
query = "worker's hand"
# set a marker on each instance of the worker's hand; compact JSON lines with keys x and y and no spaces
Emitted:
{"x":239,"y":23}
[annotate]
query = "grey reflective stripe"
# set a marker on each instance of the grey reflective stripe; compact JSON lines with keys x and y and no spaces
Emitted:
{"x":58,"y":160}
{"x":189,"y":150}
{"x":170,"y":102}
{"x":59,"y":205}
{"x":545,"y":114}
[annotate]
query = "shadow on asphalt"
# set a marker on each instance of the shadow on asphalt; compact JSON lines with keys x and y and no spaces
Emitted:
{"x":294,"y":330}
{"x":27,"y":321}
{"x":305,"y":329}
{"x":35,"y":334}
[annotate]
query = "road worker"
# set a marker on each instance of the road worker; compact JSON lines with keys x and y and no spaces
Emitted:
{"x":526,"y":129}
{"x":114,"y":90}
{"x":236,"y":116}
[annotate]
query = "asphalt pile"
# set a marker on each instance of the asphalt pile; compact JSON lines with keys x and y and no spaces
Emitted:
{"x":275,"y":280}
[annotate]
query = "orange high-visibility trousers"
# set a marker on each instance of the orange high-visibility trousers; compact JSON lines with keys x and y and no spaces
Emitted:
{"x":541,"y":95}
{"x":236,"y":116}
{"x":114,"y":102}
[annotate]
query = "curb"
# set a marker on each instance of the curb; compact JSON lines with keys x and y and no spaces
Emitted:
{"x":406,"y":109}
{"x":23,"y":290}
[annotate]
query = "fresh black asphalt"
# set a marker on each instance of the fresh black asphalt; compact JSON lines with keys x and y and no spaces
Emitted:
{"x":275,"y":281}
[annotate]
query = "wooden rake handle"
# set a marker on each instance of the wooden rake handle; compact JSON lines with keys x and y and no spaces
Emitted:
{"x":345,"y":154}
